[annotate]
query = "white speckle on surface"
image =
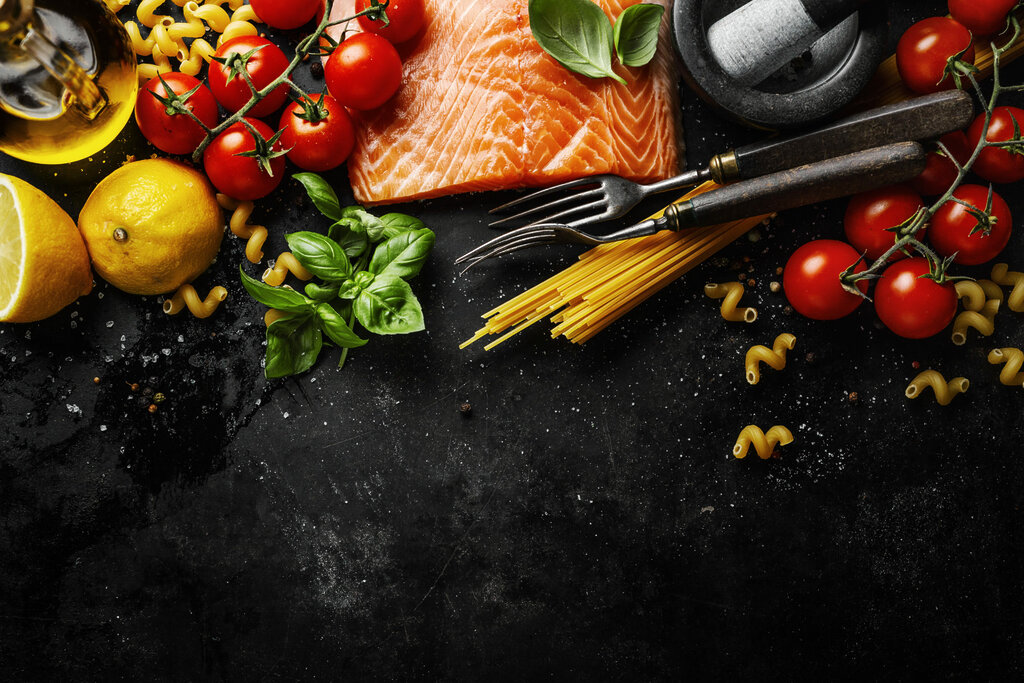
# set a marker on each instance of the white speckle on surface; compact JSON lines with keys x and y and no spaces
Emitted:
{"x":110,"y":323}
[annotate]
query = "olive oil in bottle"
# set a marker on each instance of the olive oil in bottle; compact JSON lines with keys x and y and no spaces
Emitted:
{"x":67,"y":79}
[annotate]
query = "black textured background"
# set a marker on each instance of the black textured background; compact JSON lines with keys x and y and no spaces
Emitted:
{"x":586,"y":521}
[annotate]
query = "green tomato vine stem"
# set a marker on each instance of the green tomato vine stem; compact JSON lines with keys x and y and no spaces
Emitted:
{"x":905,"y":233}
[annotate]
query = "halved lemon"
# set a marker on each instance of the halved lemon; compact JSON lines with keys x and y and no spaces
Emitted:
{"x":44,"y":265}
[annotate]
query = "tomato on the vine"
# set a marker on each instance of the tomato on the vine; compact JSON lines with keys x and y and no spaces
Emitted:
{"x":913,"y":306}
{"x":265,"y":63}
{"x":870,"y":215}
{"x":995,"y":164}
{"x":924,"y":52}
{"x":285,"y":14}
{"x":231,"y":167}
{"x":811,"y":280}
{"x":940,"y":172}
{"x":405,"y":19}
{"x":982,"y":17}
{"x":318,"y":134}
{"x":958,"y":230}
{"x":364,"y":71}
{"x":169,"y":130}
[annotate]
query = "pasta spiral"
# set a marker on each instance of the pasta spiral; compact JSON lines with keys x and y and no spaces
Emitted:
{"x":971,"y":293}
{"x":983,"y":321}
{"x":256,"y":235}
{"x":991,"y":289}
{"x":285,"y":263}
{"x":187,"y":297}
{"x":731,"y":293}
{"x":1013,"y":359}
{"x":1002,"y":275}
{"x":944,"y":391}
{"x":764,"y":443}
{"x":774,"y":357}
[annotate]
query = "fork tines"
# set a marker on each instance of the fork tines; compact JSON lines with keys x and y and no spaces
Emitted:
{"x":565,"y":206}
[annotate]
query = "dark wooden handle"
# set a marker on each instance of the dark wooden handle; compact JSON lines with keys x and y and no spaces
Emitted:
{"x":805,"y":185}
{"x":921,"y":118}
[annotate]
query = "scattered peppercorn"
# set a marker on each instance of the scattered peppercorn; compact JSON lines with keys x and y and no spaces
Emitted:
{"x":915,"y":365}
{"x":134,"y":386}
{"x":853,"y":397}
{"x":746,"y":259}
{"x":147,"y":391}
{"x":788,"y":310}
{"x":751,"y":282}
{"x":159,"y":398}
{"x":95,"y":380}
{"x":152,"y":407}
{"x":465,"y":408}
{"x":810,"y":358}
{"x":778,"y":271}
{"x":316,"y":69}
{"x":774,"y":286}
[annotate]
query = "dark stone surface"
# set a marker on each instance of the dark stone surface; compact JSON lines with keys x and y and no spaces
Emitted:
{"x":585,"y":520}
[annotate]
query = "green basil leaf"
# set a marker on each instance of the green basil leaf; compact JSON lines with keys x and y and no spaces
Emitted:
{"x":323,"y":196}
{"x":282,"y":299}
{"x":576,"y":33}
{"x":403,"y":255}
{"x":349,"y":289}
{"x":374,"y":226}
{"x":335,"y":327}
{"x":323,"y":293}
{"x":397,"y":223}
{"x":636,"y":33}
{"x":388,"y":306}
{"x":350,"y":234}
{"x":320,"y":255}
{"x":293,"y":344}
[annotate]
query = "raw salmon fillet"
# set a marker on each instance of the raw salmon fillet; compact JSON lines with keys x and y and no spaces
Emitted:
{"x":483,"y":107}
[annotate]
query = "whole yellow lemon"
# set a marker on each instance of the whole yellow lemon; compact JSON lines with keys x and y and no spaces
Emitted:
{"x":151,"y":226}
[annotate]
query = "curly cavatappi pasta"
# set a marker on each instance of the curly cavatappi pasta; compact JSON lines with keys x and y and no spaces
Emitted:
{"x":200,"y":52}
{"x":774,"y":357}
{"x":1012,"y":360}
{"x":984,"y":321}
{"x":944,"y":391}
{"x":284,"y":264}
{"x":116,"y":6}
{"x":1002,"y":275}
{"x":731,"y":293}
{"x":255,"y":235}
{"x":187,"y":297}
{"x":971,"y":294}
{"x":764,"y":443}
{"x":992,"y":290}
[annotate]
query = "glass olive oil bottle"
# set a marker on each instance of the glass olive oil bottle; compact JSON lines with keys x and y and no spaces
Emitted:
{"x":67,"y":79}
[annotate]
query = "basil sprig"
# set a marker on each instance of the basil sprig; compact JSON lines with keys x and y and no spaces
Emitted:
{"x":578,"y":34}
{"x":362,"y":264}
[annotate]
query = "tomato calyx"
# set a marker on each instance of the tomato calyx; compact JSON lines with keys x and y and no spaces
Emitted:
{"x":263,"y":151}
{"x":376,"y":12}
{"x":849,"y":278}
{"x":313,"y":111}
{"x":174,"y":104}
{"x":986,"y":220}
{"x":938,"y":270}
{"x":957,"y":67}
{"x":237,"y":64}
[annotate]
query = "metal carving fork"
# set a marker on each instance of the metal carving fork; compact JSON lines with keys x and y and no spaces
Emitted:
{"x":788,"y":189}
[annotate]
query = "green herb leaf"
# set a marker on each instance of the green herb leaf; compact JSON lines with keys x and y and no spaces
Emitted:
{"x":293,"y":344}
{"x":323,"y":196}
{"x":350,"y":234}
{"x":320,"y":255}
{"x":373,"y":226}
{"x":576,"y":33}
{"x":349,"y":289}
{"x":403,"y":255}
{"x":636,"y":33}
{"x":327,"y":292}
{"x":335,"y":327}
{"x":388,"y":306}
{"x":397,"y":223}
{"x":279,"y":298}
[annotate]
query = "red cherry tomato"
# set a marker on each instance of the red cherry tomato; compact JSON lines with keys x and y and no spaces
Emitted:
{"x":364,"y":71}
{"x":405,"y":19}
{"x":952,"y":226}
{"x":995,"y":164}
{"x":924,"y":50}
{"x":170,"y":131}
{"x":940,"y":172}
{"x":285,"y":14}
{"x":317,"y":145}
{"x":982,"y":17}
{"x":811,"y":280}
{"x":242,"y":177}
{"x":264,"y":66}
{"x":913,"y":306}
{"x":869,"y":216}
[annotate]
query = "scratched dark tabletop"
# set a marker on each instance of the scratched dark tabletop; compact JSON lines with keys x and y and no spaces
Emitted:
{"x":585,"y":520}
